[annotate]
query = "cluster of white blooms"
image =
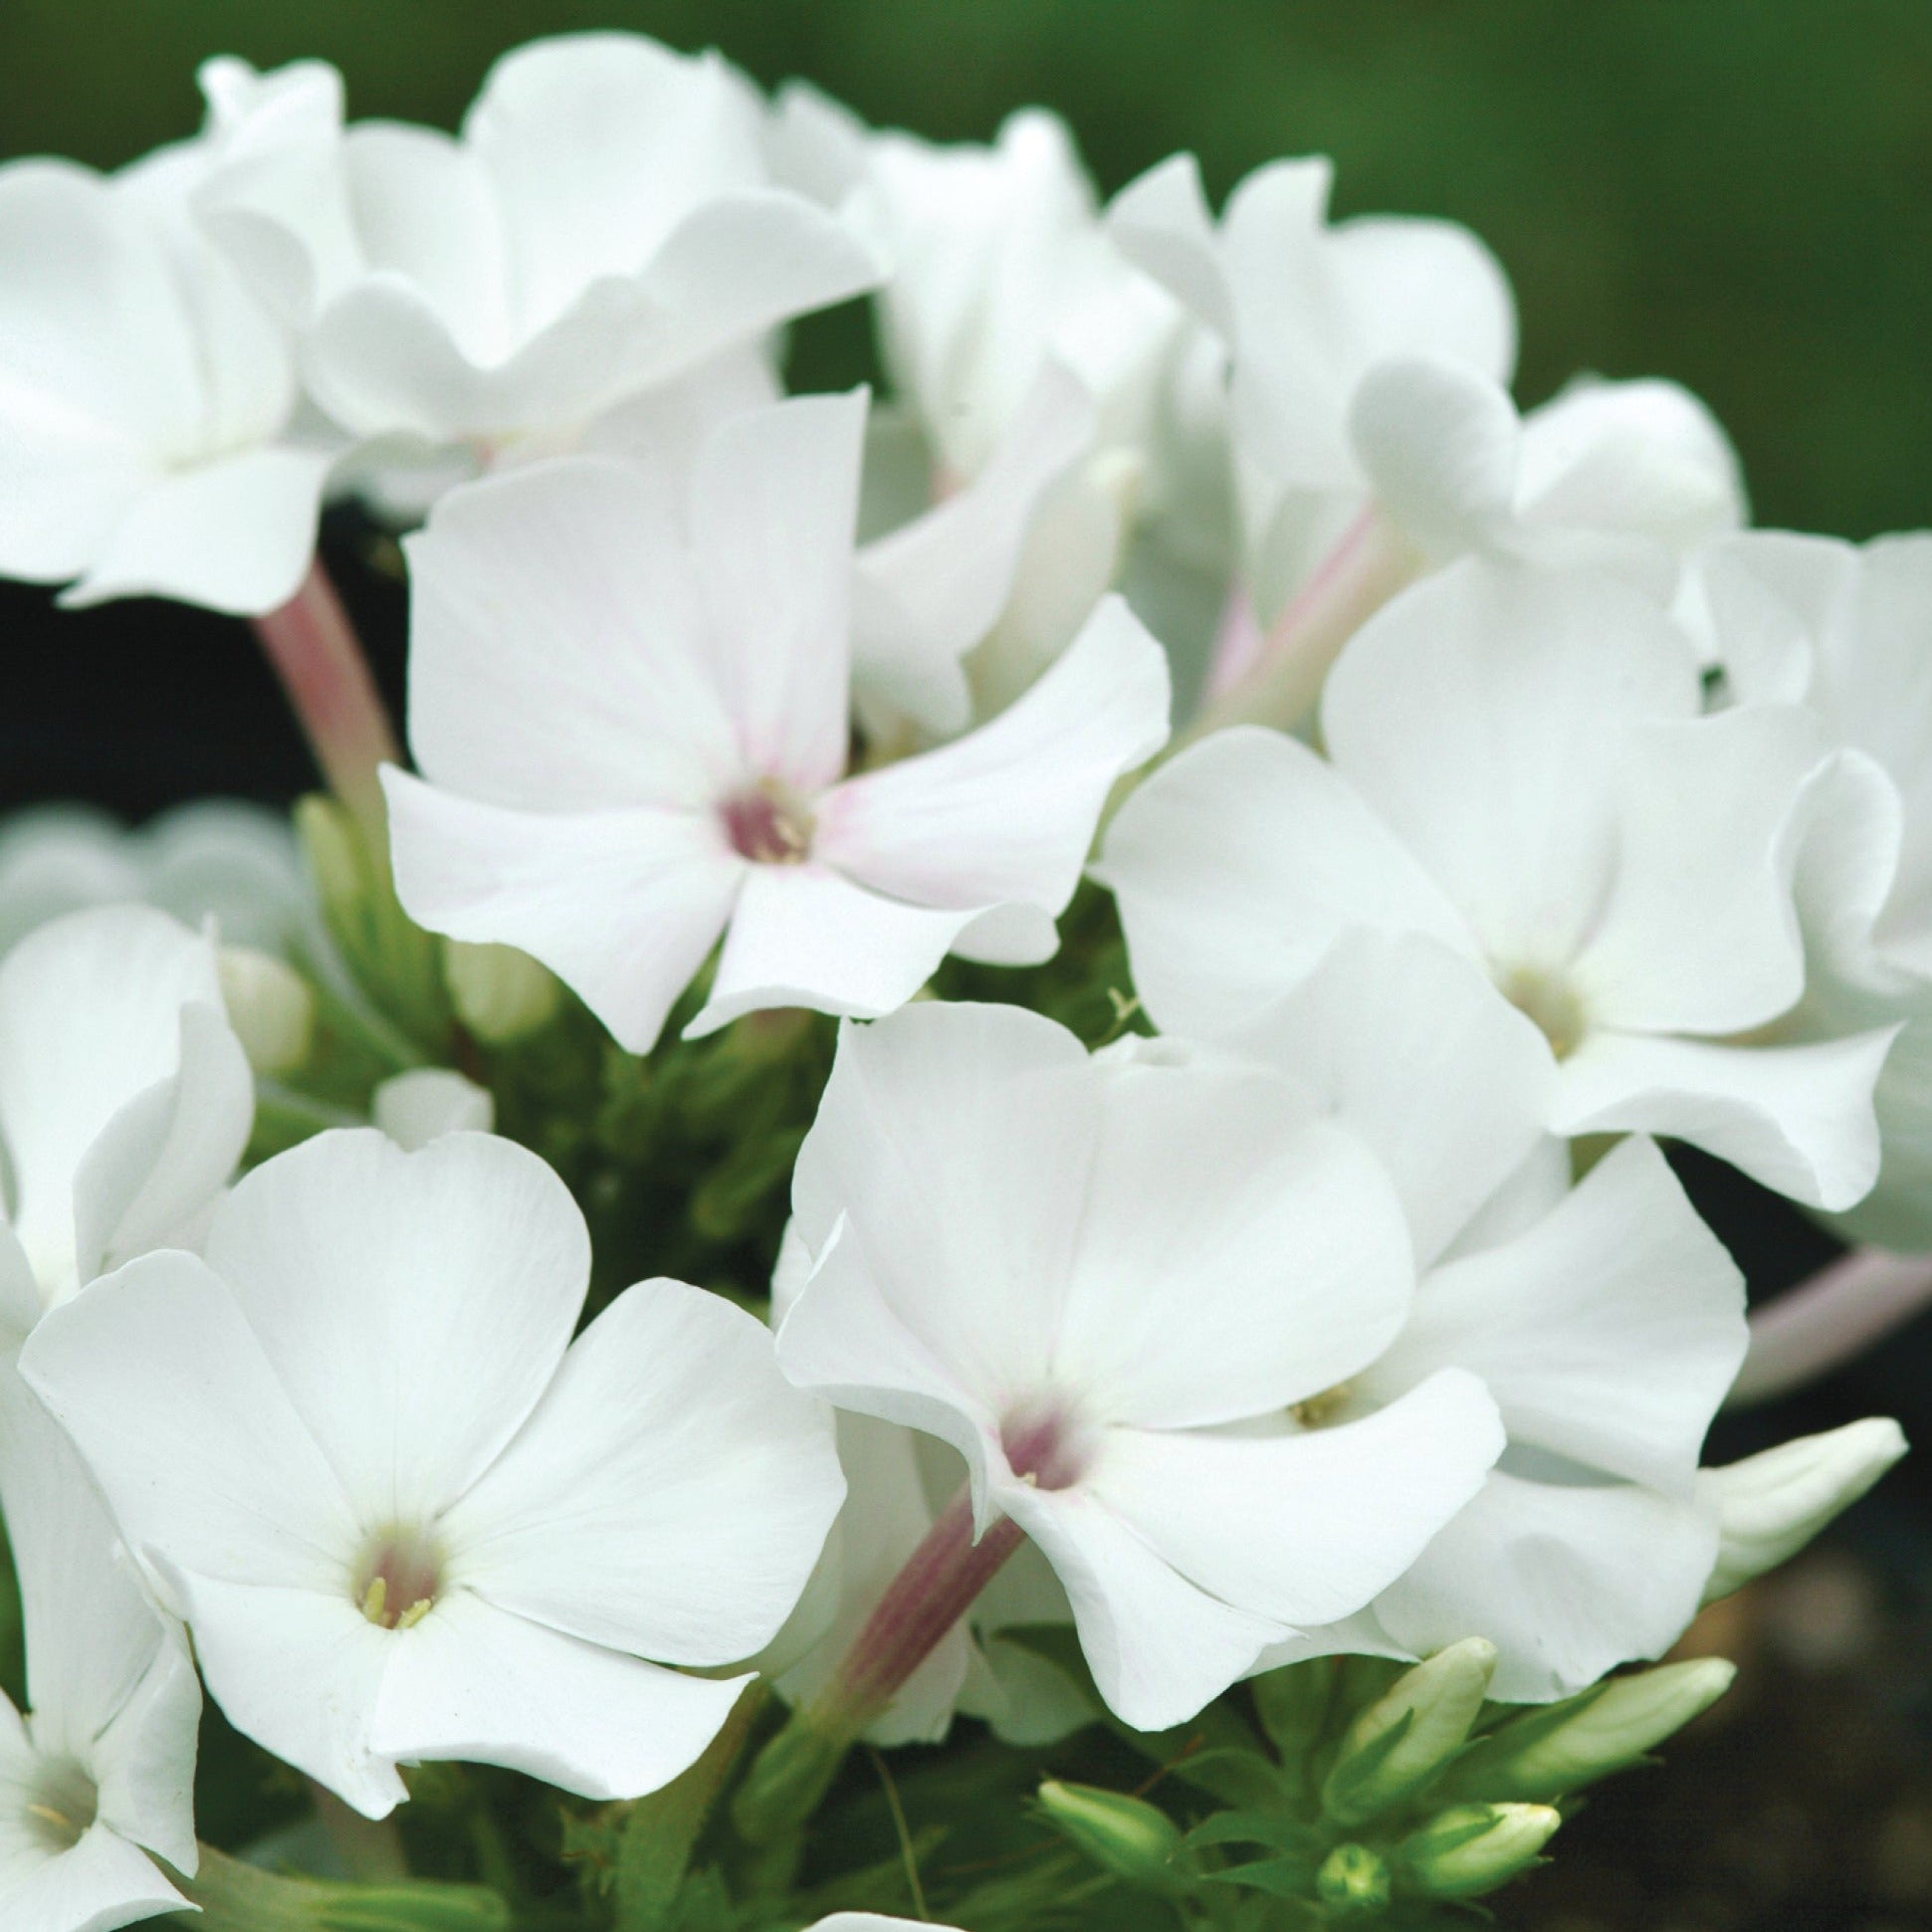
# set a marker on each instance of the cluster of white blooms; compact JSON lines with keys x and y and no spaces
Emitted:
{"x":1520,"y":808}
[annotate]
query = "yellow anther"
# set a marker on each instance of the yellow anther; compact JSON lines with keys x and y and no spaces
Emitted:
{"x":375,"y":1600}
{"x":48,"y":1815}
{"x":415,"y":1613}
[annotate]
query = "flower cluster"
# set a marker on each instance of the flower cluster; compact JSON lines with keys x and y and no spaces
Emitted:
{"x":1131,"y":913}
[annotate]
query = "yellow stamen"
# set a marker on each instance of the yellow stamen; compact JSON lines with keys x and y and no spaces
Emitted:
{"x":375,"y":1600}
{"x":415,"y":1613}
{"x":48,"y":1815}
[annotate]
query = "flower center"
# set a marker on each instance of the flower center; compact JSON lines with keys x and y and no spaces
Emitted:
{"x":1549,"y":1000}
{"x":1317,"y":1412}
{"x":396,"y":1583}
{"x":61,"y":1805}
{"x":1044,"y":1445}
{"x":771,"y":824}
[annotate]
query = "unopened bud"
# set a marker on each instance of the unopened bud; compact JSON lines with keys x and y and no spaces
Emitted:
{"x":333,"y":849}
{"x":499,"y":993}
{"x":1353,"y":1883}
{"x":1772,"y":1504}
{"x":1473,"y":1848}
{"x":1546,"y":1752}
{"x":1410,"y":1732}
{"x":424,"y":1104}
{"x":235,"y":1897}
{"x":269,"y":1007}
{"x":1126,"y":1837}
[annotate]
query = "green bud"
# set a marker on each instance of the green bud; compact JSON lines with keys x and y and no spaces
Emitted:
{"x":1472,"y":1848}
{"x":335,"y":851}
{"x":1126,"y":1837}
{"x":1410,"y":1732}
{"x":788,"y":1778}
{"x":269,"y":1007}
{"x":1353,"y":1883}
{"x":1293,"y":1706}
{"x":1772,"y":1504}
{"x":1546,"y":1752}
{"x":237,"y":1898}
{"x":499,"y":993}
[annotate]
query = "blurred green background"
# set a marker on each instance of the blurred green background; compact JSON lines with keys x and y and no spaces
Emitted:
{"x":1735,"y":195}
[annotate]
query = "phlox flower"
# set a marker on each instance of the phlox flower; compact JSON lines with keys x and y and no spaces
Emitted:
{"x":1605,"y":1322}
{"x":403,"y":1515}
{"x":631,"y":700}
{"x":1518,"y":766}
{"x":1843,"y":631}
{"x":1368,"y":403}
{"x":99,"y":1771}
{"x":603,"y":224}
{"x":1087,"y":1276}
{"x":126,"y":1099}
{"x":152,"y":433}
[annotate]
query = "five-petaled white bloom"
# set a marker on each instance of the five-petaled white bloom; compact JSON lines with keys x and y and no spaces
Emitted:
{"x":1369,"y":362}
{"x":631,"y":703}
{"x":100,"y":1771}
{"x":126,"y":1099}
{"x":404,"y":1516}
{"x":1092,"y":1278}
{"x":603,"y":225}
{"x":1605,"y":1322}
{"x":1520,"y":769}
{"x":152,"y":434}
{"x":1846,"y":631}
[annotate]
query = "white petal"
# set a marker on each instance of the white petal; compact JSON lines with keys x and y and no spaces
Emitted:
{"x":145,"y":1758}
{"x":623,"y":906}
{"x":1796,"y":1118}
{"x":671,"y":1493}
{"x":1567,"y":1581}
{"x":424,"y":1104}
{"x":773,"y":513}
{"x":412,"y":1306}
{"x":473,"y":1682}
{"x":1414,"y":285}
{"x":1481,"y":715}
{"x":1411,"y":1048}
{"x":1610,"y":1333}
{"x":556,"y":652}
{"x":1007,"y":815}
{"x":1304,"y":1527}
{"x":806,"y":936}
{"x":100,"y":1884}
{"x":1240,"y":864}
{"x":1234,"y":1256}
{"x":236,"y":535}
{"x":301,"y":1671}
{"x":1160,"y":1648}
{"x":1163,"y":224}
{"x":176,"y":1410}
{"x":90,"y":1019}
{"x":934,"y":587}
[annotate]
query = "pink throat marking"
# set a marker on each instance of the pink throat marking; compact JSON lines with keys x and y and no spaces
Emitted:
{"x":1043,"y":1442}
{"x":771,"y":824}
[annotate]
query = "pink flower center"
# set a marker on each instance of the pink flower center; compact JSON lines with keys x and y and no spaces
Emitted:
{"x":771,"y":824}
{"x":1043,"y":1442}
{"x":397,"y":1581}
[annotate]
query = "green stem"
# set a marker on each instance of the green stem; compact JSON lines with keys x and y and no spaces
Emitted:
{"x":235,"y":1897}
{"x":370,"y":1848}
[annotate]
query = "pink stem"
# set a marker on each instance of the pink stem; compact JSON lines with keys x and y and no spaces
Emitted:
{"x":1842,"y":1309}
{"x":1281,"y":681}
{"x":319,"y":657}
{"x":934,"y":1589}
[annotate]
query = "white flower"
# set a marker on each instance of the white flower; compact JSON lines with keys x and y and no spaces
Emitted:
{"x":603,"y":224}
{"x":151,"y":439}
{"x":1370,"y":370}
{"x":218,"y":858}
{"x":669,"y":767}
{"x":1085,"y":1276}
{"x":99,"y":1772}
{"x":404,"y":1516}
{"x":898,"y":1482}
{"x":1605,"y":1322}
{"x":1521,"y":771}
{"x":424,"y":1104}
{"x":1844,"y":632}
{"x":126,"y":1099}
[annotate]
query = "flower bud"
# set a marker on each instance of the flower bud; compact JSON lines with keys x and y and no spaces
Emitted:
{"x":237,"y":1898}
{"x":1410,"y":1732}
{"x":1546,"y":1752}
{"x":269,"y":1007}
{"x":1472,"y":1848}
{"x":1353,"y":1883}
{"x":499,"y":993}
{"x":333,"y":851}
{"x":424,"y":1104}
{"x":1128,"y":1836}
{"x":1772,"y":1504}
